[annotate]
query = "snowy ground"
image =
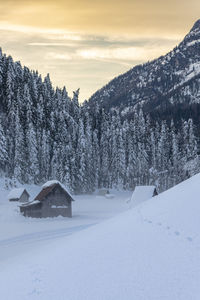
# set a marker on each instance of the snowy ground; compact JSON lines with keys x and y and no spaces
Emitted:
{"x":19,"y":234}
{"x":151,"y":252}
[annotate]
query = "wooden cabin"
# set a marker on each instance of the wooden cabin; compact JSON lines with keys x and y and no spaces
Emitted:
{"x":143,"y":193}
{"x":19,"y":194}
{"x":52,"y":201}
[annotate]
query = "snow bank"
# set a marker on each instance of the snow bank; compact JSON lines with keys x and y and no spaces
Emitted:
{"x":110,"y":196}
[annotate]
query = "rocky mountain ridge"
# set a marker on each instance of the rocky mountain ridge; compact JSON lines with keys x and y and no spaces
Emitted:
{"x":169,"y":80}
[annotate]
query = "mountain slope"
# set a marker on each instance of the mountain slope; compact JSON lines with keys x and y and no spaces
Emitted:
{"x":173,"y":78}
{"x":150,"y":252}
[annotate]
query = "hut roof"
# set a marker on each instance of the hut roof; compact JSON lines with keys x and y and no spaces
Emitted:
{"x":142,"y":193}
{"x":16,"y":193}
{"x":34,"y":202}
{"x":48,"y":188}
{"x":53,"y":182}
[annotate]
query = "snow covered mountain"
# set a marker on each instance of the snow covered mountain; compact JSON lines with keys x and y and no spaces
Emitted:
{"x":149,"y":252}
{"x":169,"y":80}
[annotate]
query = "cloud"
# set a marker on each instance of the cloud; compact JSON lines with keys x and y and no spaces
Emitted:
{"x":45,"y":44}
{"x":94,"y":16}
{"x":59,"y":56}
{"x":79,"y":59}
{"x":125,"y":53}
{"x":87,"y":43}
{"x":59,"y":33}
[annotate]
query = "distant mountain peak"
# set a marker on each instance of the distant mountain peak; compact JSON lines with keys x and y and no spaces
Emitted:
{"x":194,"y":33}
{"x":196,"y":26}
{"x":173,"y":78}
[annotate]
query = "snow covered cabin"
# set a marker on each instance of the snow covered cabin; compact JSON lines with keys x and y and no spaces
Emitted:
{"x":19,"y":194}
{"x":143,"y":193}
{"x":52,"y":201}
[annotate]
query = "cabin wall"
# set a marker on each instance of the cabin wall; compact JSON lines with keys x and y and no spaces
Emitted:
{"x":155,"y":193}
{"x":56,"y":204}
{"x":33,"y":211}
{"x":24,"y":197}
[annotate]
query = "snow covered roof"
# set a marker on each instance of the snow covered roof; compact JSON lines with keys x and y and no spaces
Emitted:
{"x":53,"y":182}
{"x":48,"y":187}
{"x":50,"y":183}
{"x":30,"y":203}
{"x":16,"y":193}
{"x":142,"y":193}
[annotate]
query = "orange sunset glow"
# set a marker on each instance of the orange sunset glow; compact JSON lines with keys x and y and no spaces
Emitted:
{"x":87,"y":43}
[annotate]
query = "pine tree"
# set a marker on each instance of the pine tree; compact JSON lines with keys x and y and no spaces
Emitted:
{"x":19,"y":158}
{"x":81,"y":156}
{"x":33,"y":170}
{"x":3,"y":151}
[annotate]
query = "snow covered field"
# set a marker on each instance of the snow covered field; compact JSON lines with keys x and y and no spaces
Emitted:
{"x":150,"y":252}
{"x":19,"y":234}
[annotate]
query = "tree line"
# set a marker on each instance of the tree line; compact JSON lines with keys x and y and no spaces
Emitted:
{"x":45,"y":134}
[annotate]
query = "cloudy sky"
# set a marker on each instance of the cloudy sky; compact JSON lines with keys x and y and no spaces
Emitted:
{"x":85,"y":43}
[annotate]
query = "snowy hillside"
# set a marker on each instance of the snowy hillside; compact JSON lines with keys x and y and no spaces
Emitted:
{"x":150,"y":252}
{"x":170,"y":80}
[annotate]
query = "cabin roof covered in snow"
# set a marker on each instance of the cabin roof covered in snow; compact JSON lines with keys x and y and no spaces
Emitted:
{"x":142,"y":193}
{"x":48,"y":187}
{"x":50,"y":183}
{"x":34,"y":202}
{"x":54,"y":182}
{"x":16,"y":193}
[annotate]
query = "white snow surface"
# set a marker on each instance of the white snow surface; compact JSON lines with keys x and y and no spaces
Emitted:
{"x":30,"y":203}
{"x":141,"y":194}
{"x":151,"y":252}
{"x":50,"y":183}
{"x":15,"y":193}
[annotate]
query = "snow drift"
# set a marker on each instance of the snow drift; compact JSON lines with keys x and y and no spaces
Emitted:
{"x":150,"y":252}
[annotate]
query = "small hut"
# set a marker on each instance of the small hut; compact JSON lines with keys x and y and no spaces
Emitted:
{"x":103,"y":192}
{"x":52,"y":201}
{"x":143,"y":193}
{"x":19,"y":194}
